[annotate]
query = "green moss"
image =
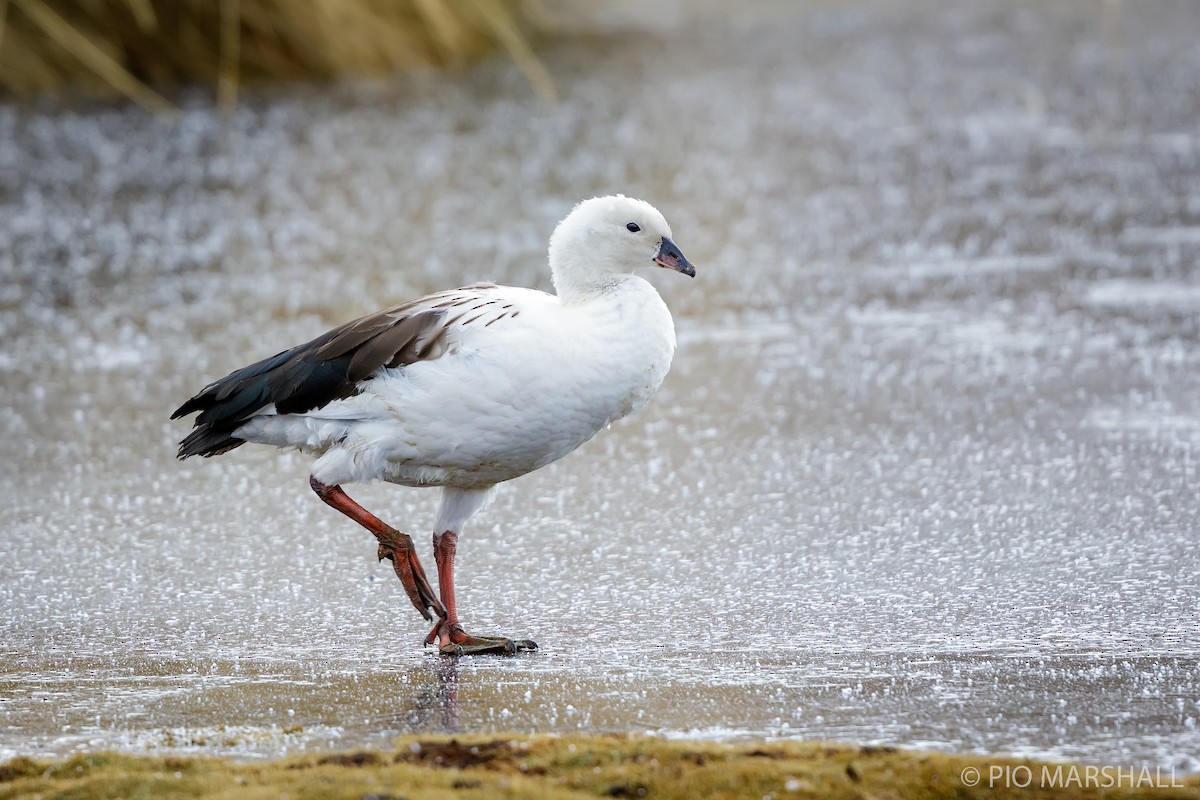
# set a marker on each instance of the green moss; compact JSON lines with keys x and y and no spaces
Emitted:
{"x":554,"y":768}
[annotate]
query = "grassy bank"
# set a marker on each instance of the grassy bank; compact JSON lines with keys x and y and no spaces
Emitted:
{"x":579,"y":767}
{"x":134,"y":47}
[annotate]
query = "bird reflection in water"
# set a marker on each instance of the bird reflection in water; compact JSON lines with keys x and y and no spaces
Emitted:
{"x":429,"y":700}
{"x":446,"y":692}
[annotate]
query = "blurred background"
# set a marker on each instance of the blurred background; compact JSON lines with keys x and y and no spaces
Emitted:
{"x":924,"y":471}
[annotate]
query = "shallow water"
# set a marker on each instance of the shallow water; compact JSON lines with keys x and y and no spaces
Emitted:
{"x":924,"y":471}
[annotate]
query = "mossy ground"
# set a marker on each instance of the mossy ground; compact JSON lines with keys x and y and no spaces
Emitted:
{"x":569,"y":767}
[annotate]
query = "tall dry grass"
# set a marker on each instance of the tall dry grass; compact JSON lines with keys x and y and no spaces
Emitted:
{"x":132,"y":46}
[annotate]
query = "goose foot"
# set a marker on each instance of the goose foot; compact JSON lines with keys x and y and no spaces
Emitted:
{"x":398,"y":548}
{"x":452,"y":640}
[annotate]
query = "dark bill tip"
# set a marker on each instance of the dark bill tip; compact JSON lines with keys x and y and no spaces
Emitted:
{"x":670,"y":257}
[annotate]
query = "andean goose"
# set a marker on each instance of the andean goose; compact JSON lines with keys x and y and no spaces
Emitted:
{"x":463,"y":389}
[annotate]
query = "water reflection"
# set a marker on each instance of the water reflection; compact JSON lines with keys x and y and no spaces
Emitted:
{"x":435,"y":704}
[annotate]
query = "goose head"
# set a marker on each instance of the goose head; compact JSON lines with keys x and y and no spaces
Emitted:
{"x":605,"y":238}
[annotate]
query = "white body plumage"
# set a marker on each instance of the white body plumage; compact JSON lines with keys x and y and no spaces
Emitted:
{"x":524,"y":380}
{"x":463,"y":389}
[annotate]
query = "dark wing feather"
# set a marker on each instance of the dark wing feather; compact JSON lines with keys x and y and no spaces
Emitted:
{"x":313,"y":374}
{"x":400,"y":344}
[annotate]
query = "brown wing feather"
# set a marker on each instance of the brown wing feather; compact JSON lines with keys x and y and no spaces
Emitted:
{"x":325,"y":369}
{"x":394,"y":345}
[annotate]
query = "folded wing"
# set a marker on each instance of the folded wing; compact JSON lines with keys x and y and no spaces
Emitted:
{"x":334,"y":365}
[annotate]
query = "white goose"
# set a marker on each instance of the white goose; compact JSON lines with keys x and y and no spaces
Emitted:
{"x":464,"y":389}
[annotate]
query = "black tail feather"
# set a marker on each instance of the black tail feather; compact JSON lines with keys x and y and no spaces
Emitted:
{"x":224,"y":405}
{"x":306,"y":377}
{"x":208,"y":442}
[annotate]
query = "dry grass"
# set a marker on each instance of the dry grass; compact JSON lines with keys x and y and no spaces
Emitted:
{"x":555,"y":768}
{"x":130,"y":46}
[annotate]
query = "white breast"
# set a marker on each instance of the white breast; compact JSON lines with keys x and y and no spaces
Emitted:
{"x":507,"y":399}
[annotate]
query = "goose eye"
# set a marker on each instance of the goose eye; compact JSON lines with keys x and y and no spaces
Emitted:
{"x":632,"y":227}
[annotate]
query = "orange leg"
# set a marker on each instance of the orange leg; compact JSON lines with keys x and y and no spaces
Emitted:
{"x":448,"y":633}
{"x":393,"y":545}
